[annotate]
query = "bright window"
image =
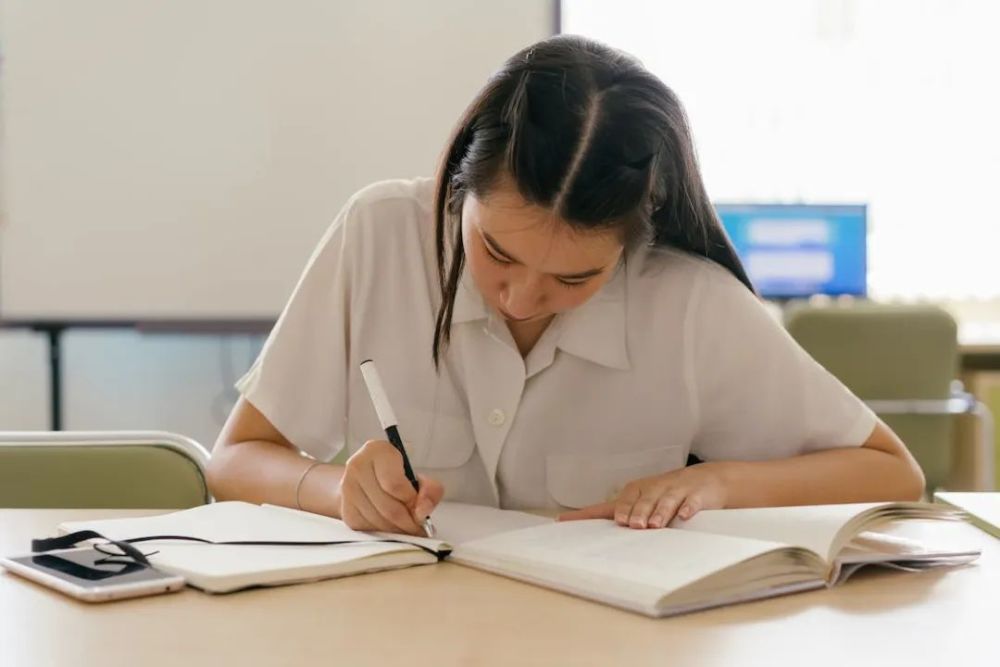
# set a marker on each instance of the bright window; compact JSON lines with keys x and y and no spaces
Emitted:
{"x":893,"y":103}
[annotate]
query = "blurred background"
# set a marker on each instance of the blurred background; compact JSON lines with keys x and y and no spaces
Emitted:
{"x":166,"y":168}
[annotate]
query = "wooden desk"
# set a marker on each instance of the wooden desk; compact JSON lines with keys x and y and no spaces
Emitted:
{"x":450,"y":615}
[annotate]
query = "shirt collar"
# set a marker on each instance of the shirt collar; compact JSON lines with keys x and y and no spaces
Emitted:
{"x":595,"y":330}
{"x":469,"y":305}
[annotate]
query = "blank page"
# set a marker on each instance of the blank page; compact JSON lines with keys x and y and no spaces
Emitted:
{"x":985,"y":507}
{"x":227,"y":522}
{"x":217,"y":567}
{"x":604,"y":553}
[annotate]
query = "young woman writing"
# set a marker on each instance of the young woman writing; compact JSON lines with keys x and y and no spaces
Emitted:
{"x":559,"y":321}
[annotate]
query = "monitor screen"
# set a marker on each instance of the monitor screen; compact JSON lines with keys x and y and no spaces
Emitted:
{"x":798,"y":250}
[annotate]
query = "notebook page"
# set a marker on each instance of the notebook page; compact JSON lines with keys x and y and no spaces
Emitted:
{"x":984,"y":507}
{"x":319,"y":519}
{"x":226,"y":522}
{"x":599,"y":555}
{"x":217,"y":567}
{"x":454,"y":523}
{"x":220,"y":568}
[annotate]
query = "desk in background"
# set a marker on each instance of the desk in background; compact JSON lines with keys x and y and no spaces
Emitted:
{"x":449,"y":615}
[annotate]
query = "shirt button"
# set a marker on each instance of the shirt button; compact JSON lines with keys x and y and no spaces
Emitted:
{"x":497,"y":417}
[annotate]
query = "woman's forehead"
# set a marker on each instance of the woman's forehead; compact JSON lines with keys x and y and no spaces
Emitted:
{"x":534,"y":234}
{"x":504,"y":210}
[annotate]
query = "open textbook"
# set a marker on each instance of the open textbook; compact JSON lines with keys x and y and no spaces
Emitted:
{"x":718,"y":557}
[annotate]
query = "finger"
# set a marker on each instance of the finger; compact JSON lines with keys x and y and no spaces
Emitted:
{"x":381,"y":477}
{"x":353,"y":518}
{"x":624,"y":503}
{"x":356,"y":511}
{"x":359,"y":474}
{"x":431,"y":493}
{"x":599,"y":511}
{"x":641,"y":509}
{"x":374,"y":518}
{"x":388,"y":469}
{"x":348,"y":513}
{"x":666,"y":507}
{"x":691,"y":506}
{"x":394,"y":516}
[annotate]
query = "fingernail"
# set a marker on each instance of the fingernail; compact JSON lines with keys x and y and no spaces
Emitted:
{"x":421,"y":511}
{"x":638,"y":523}
{"x":684,"y":513}
{"x":656,"y":521}
{"x":621,"y":519}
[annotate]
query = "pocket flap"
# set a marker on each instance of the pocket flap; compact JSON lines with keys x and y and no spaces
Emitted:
{"x":435,"y":440}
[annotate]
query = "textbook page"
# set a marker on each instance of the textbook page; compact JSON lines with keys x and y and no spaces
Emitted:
{"x":457,"y":523}
{"x":812,"y":527}
{"x":601,"y":560}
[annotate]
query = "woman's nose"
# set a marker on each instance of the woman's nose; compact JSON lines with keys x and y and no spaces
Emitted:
{"x":521,"y":299}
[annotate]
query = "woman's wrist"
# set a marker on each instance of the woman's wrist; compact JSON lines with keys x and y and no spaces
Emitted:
{"x":319,"y":491}
{"x":725,"y":479}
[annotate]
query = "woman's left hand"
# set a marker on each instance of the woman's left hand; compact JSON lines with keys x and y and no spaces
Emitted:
{"x":652,"y":502}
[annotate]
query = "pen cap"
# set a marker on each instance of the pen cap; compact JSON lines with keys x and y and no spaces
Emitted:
{"x":385,"y":414}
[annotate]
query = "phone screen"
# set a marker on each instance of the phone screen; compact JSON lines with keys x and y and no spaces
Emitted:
{"x":88,"y":567}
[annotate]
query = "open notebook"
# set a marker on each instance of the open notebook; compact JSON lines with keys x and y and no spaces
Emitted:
{"x":983,"y":508}
{"x":718,"y":557}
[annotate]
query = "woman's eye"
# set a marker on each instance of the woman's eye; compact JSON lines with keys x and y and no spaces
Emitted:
{"x":496,"y":258}
{"x":573,"y":283}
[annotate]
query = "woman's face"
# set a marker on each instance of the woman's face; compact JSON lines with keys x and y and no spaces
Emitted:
{"x":529,"y":264}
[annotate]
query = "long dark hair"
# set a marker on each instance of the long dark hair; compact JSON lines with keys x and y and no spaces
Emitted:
{"x":587,"y":131}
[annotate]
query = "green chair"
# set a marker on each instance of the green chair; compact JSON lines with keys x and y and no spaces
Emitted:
{"x":121,"y":469}
{"x":903,"y":361}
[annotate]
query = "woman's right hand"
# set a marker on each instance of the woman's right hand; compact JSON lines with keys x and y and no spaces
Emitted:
{"x":375,"y":494}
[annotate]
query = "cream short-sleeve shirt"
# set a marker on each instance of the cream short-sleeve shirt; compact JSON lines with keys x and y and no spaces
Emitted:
{"x":673,"y":356}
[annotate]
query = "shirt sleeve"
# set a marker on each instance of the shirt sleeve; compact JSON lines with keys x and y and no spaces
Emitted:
{"x":299,"y":380}
{"x":759,"y":395}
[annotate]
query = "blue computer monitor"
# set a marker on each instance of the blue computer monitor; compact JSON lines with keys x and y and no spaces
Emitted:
{"x":798,"y":250}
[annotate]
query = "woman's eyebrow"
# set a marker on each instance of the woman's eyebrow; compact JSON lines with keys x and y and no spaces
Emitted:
{"x":565,"y":276}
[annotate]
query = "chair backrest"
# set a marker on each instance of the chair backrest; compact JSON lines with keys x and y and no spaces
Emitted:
{"x":121,"y":469}
{"x":889,"y":352}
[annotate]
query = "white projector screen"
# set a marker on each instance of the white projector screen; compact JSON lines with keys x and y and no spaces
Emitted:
{"x":177,"y":160}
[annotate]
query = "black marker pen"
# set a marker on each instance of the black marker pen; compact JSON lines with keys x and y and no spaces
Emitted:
{"x":388,"y":420}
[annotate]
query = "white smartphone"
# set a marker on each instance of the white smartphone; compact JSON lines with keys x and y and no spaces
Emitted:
{"x":86,"y":574}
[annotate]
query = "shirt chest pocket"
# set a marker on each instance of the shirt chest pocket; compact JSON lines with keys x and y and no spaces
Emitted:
{"x":579,"y":479}
{"x":435,"y":440}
